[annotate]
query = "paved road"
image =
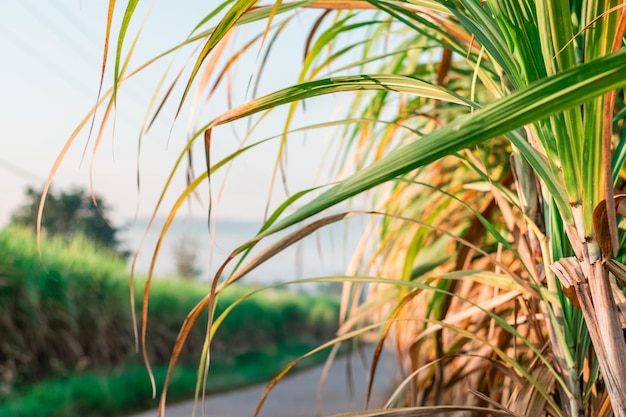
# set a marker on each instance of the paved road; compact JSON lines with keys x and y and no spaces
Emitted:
{"x":295,"y":396}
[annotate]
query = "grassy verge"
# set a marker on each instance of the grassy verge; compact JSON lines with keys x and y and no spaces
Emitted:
{"x":65,"y":318}
{"x":95,"y":394}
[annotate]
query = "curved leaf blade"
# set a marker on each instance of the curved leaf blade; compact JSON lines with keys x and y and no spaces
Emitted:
{"x":349,"y":83}
{"x":229,"y":20}
{"x":533,"y":103}
{"x":128,"y":14}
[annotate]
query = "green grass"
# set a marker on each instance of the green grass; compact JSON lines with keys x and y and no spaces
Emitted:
{"x":65,"y":319}
{"x":95,"y":394}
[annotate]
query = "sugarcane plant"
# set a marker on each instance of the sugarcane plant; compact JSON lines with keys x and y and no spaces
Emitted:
{"x":489,"y":138}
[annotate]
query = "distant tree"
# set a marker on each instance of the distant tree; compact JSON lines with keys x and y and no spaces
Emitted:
{"x":186,"y":258}
{"x":69,"y":213}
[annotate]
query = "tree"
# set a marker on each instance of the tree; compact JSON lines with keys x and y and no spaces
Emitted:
{"x":69,"y":213}
{"x":185,"y":254}
{"x":490,"y":135}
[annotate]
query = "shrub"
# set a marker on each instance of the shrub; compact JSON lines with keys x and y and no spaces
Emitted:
{"x":68,"y":310}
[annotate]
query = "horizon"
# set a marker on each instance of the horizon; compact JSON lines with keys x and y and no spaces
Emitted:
{"x":333,"y":245}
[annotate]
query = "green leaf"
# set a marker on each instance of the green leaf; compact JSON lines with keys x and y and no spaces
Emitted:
{"x":128,"y":14}
{"x":229,"y":20}
{"x":541,"y":99}
{"x":373,"y":82}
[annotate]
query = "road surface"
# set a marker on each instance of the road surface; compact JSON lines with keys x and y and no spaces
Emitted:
{"x":296,"y":395}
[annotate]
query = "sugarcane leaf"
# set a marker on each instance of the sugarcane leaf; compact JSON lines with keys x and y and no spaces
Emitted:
{"x":527,"y":105}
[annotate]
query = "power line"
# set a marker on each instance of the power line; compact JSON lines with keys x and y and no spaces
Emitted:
{"x":59,"y":32}
{"x":76,"y":22}
{"x":85,"y":53}
{"x":55,"y":67}
{"x":18,"y":170}
{"x":63,"y":10}
{"x":50,"y":65}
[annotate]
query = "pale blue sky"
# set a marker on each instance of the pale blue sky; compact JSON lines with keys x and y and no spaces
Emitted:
{"x":51,"y":60}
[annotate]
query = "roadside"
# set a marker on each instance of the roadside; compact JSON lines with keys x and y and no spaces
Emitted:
{"x":69,"y":348}
{"x":296,"y":395}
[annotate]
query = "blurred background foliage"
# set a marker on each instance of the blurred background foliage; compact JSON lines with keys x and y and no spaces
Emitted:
{"x":67,"y":335}
{"x":71,"y":213}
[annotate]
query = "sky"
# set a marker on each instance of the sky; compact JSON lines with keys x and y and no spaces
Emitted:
{"x":50,"y":73}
